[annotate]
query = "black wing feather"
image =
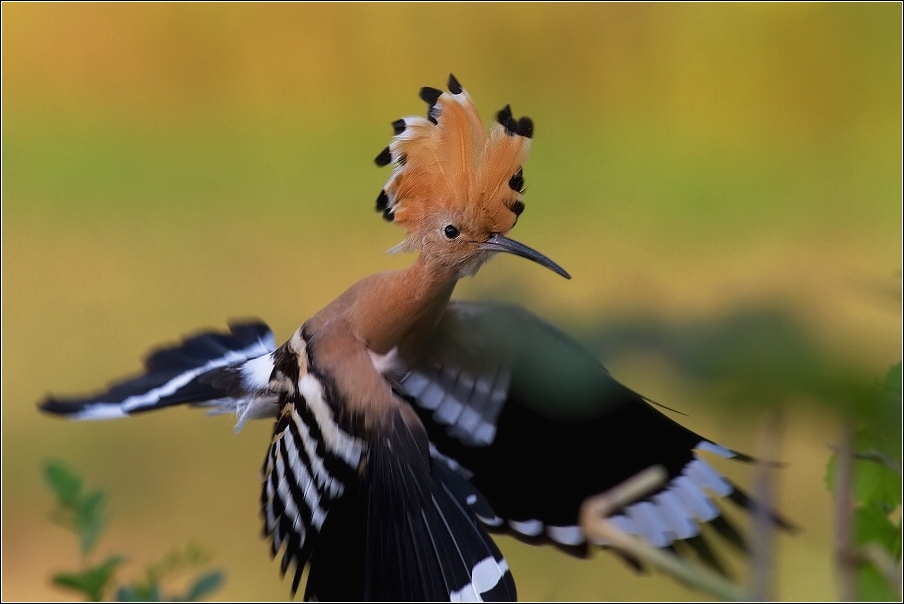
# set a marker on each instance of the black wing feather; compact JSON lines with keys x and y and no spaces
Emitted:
{"x":406,"y":534}
{"x":191,"y":372}
{"x":545,"y":426}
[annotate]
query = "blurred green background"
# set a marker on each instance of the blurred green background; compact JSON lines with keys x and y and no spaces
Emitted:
{"x":169,"y":167}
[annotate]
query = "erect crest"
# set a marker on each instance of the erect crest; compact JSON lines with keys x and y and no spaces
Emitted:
{"x":447,"y":163}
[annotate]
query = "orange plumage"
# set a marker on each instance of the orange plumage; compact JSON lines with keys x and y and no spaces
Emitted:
{"x":448,"y":166}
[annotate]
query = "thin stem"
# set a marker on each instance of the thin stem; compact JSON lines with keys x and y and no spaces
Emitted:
{"x":879,"y":457}
{"x":875,"y":455}
{"x":762,"y":564}
{"x":844,"y":511}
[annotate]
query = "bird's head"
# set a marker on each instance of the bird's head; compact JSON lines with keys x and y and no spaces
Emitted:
{"x":456,"y":188}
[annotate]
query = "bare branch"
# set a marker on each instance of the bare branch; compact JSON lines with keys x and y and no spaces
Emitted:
{"x":762,"y":571}
{"x":844,"y":511}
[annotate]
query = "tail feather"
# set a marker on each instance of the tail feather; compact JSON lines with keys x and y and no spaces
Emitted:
{"x":205,"y":369}
{"x":337,"y":563}
{"x":406,"y":534}
{"x":417,"y":521}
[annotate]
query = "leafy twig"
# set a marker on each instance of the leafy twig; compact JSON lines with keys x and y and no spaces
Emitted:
{"x":83,"y":514}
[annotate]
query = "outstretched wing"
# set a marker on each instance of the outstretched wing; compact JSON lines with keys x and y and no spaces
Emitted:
{"x":227,"y":372}
{"x":541,"y":425}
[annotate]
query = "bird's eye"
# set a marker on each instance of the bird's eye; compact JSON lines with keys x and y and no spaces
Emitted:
{"x":451,"y":232}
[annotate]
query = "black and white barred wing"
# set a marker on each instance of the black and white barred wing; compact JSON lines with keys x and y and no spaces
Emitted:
{"x":541,"y":425}
{"x":227,"y":372}
{"x":408,"y":532}
{"x":311,"y":464}
{"x":363,"y":503}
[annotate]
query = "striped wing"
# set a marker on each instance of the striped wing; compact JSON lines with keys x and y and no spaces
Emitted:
{"x":541,"y":426}
{"x":304,"y":473}
{"x":227,"y":372}
{"x":408,"y":534}
{"x":312,"y":460}
{"x":362,"y":502}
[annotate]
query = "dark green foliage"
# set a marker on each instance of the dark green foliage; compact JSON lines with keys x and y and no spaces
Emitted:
{"x":871,"y":524}
{"x":174,"y":563}
{"x":92,"y":582}
{"x":749,"y":360}
{"x":84,"y":514}
{"x":81,"y":512}
{"x":876,"y":483}
{"x":203,"y":586}
{"x":150,"y":592}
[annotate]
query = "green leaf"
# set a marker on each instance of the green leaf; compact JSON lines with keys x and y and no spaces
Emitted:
{"x":91,"y":582}
{"x":77,"y":511}
{"x":893,"y":378}
{"x":873,"y":524}
{"x":203,"y":586}
{"x":139,"y":593}
{"x":887,"y":420}
{"x":177,"y":561}
{"x":875,"y":484}
{"x":878,"y":436}
{"x":879,"y":421}
{"x":90,"y":519}
{"x":872,"y":586}
{"x":65,"y":484}
{"x":128,"y":593}
{"x":831,"y":473}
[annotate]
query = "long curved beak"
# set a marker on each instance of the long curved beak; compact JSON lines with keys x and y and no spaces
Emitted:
{"x":499,"y":243}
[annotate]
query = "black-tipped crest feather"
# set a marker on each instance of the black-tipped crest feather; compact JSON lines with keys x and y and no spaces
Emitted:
{"x":430,"y":95}
{"x":454,"y":86}
{"x":384,"y":158}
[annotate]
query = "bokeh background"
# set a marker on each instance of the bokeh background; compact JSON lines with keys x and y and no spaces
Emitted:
{"x":169,"y":167}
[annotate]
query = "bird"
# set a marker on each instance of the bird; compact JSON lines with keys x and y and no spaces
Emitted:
{"x":410,"y":426}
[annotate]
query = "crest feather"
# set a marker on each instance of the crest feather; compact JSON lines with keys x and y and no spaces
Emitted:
{"x":449,"y":163}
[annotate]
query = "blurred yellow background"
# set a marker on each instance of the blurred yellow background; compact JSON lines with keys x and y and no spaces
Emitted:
{"x":167,"y":167}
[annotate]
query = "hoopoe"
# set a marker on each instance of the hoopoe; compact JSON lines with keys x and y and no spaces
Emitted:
{"x":407,"y":425}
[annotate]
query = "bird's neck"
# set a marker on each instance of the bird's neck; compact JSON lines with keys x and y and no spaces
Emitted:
{"x":413,"y":302}
{"x":394,"y":310}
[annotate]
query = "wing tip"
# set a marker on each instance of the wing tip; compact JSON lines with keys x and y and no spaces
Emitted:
{"x":77,"y":410}
{"x":57,"y":407}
